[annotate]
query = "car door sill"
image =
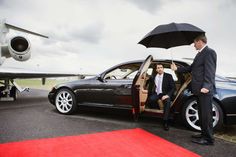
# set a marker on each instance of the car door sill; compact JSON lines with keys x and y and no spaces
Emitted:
{"x":153,"y":110}
{"x":106,"y":105}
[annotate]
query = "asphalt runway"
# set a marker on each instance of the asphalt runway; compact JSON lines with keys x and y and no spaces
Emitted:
{"x":31,"y":116}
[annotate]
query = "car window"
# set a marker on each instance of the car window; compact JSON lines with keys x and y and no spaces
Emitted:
{"x":123,"y":72}
{"x":149,"y":71}
{"x":166,"y":70}
{"x":129,"y":72}
{"x":169,"y":71}
{"x":133,"y":74}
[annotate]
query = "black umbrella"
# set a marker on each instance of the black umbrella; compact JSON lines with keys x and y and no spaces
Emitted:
{"x":171,"y":35}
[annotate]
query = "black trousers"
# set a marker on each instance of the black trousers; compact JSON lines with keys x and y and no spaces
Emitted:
{"x":205,"y":115}
{"x":152,"y":102}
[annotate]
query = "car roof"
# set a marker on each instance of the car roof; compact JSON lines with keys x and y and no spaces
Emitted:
{"x":180,"y":63}
{"x":183,"y":63}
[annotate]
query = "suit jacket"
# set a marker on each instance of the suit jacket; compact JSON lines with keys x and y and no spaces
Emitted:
{"x":203,"y":71}
{"x":168,"y":85}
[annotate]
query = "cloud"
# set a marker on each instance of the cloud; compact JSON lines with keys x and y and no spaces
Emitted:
{"x":227,"y":4}
{"x":84,"y":34}
{"x":70,"y":40}
{"x":91,"y":33}
{"x":150,"y":6}
{"x":2,"y":2}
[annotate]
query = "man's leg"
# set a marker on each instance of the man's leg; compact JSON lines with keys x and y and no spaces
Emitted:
{"x":205,"y":103}
{"x":152,"y":101}
{"x":199,"y":111}
{"x":199,"y":119}
{"x":167,"y":103}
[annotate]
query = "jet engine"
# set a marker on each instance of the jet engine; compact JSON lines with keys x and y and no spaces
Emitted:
{"x":19,"y":48}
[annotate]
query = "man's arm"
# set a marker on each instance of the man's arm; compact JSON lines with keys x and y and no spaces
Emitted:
{"x":184,"y":69}
{"x":210,"y":69}
{"x":150,"y":84}
{"x":181,"y":69}
{"x":172,"y":86}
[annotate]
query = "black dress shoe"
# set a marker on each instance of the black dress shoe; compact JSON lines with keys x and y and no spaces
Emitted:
{"x":202,"y":141}
{"x":166,"y":126}
{"x":197,"y":136}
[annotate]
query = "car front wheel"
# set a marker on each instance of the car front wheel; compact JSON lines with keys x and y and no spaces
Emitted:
{"x":191,"y":118}
{"x":65,"y":101}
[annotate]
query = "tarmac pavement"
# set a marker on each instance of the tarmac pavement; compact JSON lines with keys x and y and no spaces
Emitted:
{"x":31,"y":116}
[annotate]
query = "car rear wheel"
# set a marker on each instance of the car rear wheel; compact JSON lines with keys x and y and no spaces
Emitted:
{"x":191,"y":118}
{"x":65,"y":101}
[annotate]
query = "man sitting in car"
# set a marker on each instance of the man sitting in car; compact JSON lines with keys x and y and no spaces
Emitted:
{"x":161,"y":86}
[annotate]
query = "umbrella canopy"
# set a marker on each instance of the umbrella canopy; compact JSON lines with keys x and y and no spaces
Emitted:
{"x":171,"y":35}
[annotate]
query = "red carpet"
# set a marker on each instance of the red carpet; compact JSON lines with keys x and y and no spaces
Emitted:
{"x":121,"y":143}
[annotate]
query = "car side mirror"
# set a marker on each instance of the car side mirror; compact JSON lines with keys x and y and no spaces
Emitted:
{"x":99,"y":78}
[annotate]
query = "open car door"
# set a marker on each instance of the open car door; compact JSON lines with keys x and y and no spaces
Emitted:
{"x":139,"y":94}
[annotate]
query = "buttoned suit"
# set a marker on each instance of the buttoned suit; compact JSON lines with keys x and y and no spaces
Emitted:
{"x":203,"y":71}
{"x":168,"y":88}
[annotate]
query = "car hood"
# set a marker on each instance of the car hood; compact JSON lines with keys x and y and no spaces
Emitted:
{"x":230,"y":84}
{"x":72,"y":84}
{"x":232,"y":80}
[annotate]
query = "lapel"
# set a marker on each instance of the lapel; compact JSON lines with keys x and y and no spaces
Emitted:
{"x":199,"y":55}
{"x":154,"y":84}
{"x":203,"y":51}
{"x":163,"y":80}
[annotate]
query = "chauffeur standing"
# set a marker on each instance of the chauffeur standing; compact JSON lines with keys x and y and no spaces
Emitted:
{"x":203,"y":71}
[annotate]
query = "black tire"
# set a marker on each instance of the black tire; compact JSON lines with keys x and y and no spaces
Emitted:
{"x":135,"y":117}
{"x":220,"y":122}
{"x":65,"y":101}
{"x":13,"y":93}
{"x":190,"y":115}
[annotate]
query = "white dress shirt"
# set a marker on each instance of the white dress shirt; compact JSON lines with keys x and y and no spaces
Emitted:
{"x":158,"y":82}
{"x":202,"y":48}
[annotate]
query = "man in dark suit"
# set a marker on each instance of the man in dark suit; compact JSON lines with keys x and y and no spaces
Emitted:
{"x":203,"y":71}
{"x":161,"y":86}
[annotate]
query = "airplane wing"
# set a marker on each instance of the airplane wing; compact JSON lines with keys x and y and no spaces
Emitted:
{"x":8,"y":86}
{"x":8,"y":73}
{"x":24,"y":30}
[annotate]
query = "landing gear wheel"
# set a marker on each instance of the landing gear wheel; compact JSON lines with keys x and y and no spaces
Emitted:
{"x":13,"y":93}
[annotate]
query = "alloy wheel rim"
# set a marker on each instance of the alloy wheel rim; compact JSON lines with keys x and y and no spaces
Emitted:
{"x":64,"y":101}
{"x":192,"y":117}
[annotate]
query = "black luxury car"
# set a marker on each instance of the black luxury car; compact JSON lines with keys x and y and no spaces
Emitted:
{"x":124,"y":86}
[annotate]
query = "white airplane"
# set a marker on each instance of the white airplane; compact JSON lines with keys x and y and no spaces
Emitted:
{"x":18,"y":47}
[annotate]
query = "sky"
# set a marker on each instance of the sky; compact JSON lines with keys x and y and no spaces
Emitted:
{"x":89,"y":36}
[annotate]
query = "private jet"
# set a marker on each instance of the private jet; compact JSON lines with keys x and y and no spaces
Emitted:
{"x":18,"y":47}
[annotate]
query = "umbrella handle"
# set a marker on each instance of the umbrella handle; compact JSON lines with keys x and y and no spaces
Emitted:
{"x":173,"y":67}
{"x":171,"y":56}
